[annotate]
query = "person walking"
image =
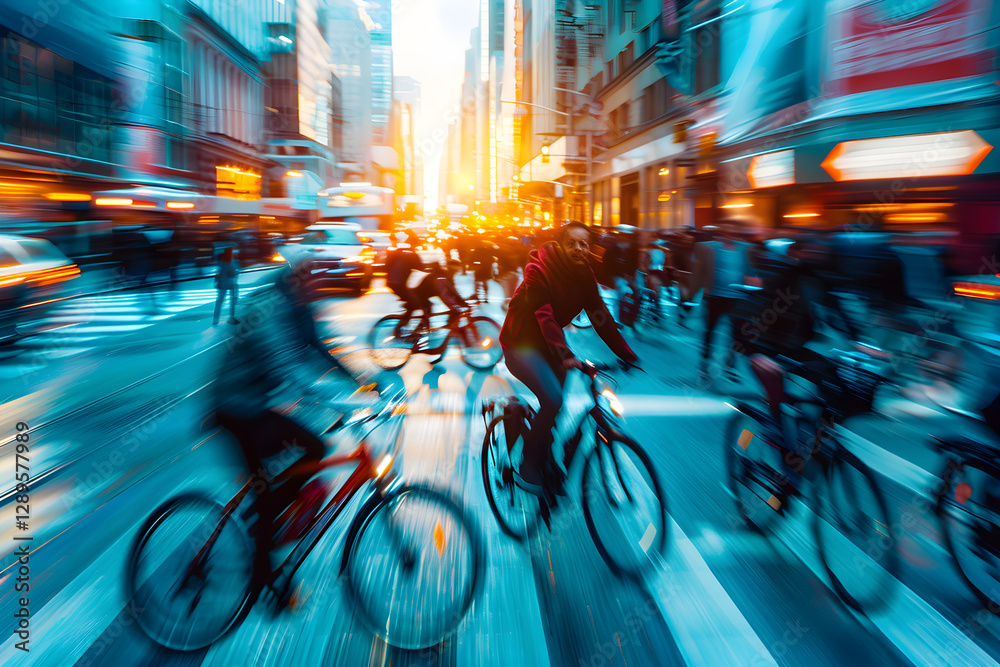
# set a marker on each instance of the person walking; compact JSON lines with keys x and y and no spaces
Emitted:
{"x":227,"y":280}
{"x":720,"y":266}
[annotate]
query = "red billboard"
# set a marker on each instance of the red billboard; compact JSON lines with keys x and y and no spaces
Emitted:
{"x":886,"y":44}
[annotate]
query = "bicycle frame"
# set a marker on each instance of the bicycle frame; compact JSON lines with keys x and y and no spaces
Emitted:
{"x":365,"y":470}
{"x":453,"y":329}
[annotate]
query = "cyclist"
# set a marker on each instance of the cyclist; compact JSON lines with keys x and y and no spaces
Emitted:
{"x":273,"y":359}
{"x":439,"y":282}
{"x":558,"y":284}
{"x":622,"y":262}
{"x":777,"y":320}
{"x":400,"y":262}
{"x":483,"y":256}
{"x":652,"y":274}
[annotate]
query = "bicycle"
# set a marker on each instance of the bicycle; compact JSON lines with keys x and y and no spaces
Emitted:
{"x":617,"y":476}
{"x":478,"y":339}
{"x":846,"y":497}
{"x":966,"y":504}
{"x":191,"y":571}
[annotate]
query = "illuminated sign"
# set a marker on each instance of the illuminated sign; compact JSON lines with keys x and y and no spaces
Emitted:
{"x":236,"y":183}
{"x":909,"y":156}
{"x":772,"y":169}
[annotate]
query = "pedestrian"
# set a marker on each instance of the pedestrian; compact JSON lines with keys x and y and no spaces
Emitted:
{"x":483,"y":254}
{"x":226,"y":280}
{"x":721,"y":268}
{"x":510,"y":258}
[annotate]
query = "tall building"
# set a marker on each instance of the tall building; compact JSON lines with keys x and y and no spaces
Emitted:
{"x":300,"y":101}
{"x":62,"y":102}
{"x":406,"y":92}
{"x":379,"y":13}
{"x":351,"y":63}
{"x":223,"y":90}
{"x":470,"y":184}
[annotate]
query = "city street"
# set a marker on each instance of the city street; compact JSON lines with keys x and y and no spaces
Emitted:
{"x":116,"y":434}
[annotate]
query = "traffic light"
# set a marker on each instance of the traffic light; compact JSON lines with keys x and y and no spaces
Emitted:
{"x":545,"y":153}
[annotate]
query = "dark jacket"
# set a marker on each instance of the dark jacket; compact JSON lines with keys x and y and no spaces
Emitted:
{"x":778,"y":318}
{"x":553,"y":292}
{"x":439,"y":283}
{"x":274,"y":356}
{"x":399,"y":263}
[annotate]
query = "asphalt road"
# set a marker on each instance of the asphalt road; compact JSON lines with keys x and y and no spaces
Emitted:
{"x":116,"y":400}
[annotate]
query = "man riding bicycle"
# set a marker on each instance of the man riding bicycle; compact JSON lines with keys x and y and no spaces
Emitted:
{"x":558,"y":284}
{"x":440,"y":282}
{"x":402,"y":260}
{"x":273,"y":359}
{"x":777,"y":320}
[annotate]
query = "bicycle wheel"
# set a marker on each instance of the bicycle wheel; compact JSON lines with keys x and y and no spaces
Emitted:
{"x":516,"y":510}
{"x":387,"y":349}
{"x":752,"y":465}
{"x":179,"y":603}
{"x":480,"y":340}
{"x":624,"y":505}
{"x":414,"y":567}
{"x":855,"y":543}
{"x":966,"y":505}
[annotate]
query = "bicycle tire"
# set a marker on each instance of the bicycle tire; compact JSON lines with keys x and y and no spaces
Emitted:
{"x":368,"y":560}
{"x":835,"y":501}
{"x":523,"y":505}
{"x":753,"y":483}
{"x":653,"y":538}
{"x":947,"y":497}
{"x":200,"y":634}
{"x":485,"y":352}
{"x":386,"y":349}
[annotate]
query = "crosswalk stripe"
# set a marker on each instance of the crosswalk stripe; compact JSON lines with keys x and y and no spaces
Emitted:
{"x":709,"y":627}
{"x":938,"y":644}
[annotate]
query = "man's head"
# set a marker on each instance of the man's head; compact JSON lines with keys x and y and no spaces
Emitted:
{"x":574,"y":239}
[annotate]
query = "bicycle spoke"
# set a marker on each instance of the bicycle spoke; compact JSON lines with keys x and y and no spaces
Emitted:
{"x":851,"y":527}
{"x":628,"y":523}
{"x":189,"y":574}
{"x":415,"y":592}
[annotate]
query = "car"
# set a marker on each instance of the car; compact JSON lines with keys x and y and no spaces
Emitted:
{"x":32,"y":271}
{"x":380,"y":243}
{"x":340,"y":258}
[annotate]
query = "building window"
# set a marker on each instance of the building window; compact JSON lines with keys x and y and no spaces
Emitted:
{"x":49,"y":102}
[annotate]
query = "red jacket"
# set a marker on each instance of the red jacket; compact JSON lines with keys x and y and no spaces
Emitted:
{"x":553,"y":292}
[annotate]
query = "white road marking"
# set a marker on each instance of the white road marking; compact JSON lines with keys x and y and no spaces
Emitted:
{"x":708,"y":626}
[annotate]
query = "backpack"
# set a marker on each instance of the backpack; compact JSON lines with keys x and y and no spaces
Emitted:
{"x":778,"y":318}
